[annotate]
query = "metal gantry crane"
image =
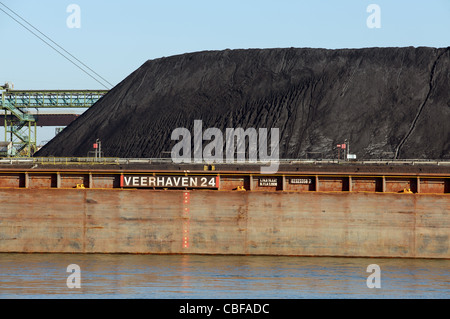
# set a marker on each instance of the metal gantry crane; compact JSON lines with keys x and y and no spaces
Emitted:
{"x":20,"y":124}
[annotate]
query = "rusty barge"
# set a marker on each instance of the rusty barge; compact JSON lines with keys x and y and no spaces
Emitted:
{"x":306,"y":209}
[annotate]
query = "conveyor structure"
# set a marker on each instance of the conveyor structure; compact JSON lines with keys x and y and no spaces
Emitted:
{"x":20,"y":124}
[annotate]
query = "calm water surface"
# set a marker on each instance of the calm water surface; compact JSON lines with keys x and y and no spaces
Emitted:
{"x":235,"y":277}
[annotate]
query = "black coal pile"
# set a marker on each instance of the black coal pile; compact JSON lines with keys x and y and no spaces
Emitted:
{"x":387,"y":102}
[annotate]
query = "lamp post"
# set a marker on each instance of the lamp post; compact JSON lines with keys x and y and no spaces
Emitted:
{"x":346,"y":150}
{"x":98,"y":149}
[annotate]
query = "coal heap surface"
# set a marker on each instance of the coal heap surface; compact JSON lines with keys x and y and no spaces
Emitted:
{"x":388,"y":102}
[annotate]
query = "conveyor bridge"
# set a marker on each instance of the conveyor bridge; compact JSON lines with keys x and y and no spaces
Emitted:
{"x":20,"y":124}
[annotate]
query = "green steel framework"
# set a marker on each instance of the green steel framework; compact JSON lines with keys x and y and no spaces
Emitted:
{"x":22,"y":128}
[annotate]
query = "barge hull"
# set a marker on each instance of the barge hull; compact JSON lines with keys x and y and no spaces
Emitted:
{"x":356,"y":224}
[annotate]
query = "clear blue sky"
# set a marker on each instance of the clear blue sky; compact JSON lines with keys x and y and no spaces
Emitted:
{"x":117,"y":36}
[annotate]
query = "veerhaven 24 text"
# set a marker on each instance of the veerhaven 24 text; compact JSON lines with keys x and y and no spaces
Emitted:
{"x":229,"y":308}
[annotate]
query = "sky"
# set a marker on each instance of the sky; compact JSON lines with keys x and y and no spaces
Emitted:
{"x":115,"y":37}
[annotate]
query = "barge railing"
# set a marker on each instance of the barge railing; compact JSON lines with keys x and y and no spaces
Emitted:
{"x":116,"y":160}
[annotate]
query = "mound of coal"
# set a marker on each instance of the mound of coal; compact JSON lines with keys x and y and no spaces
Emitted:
{"x":388,"y":102}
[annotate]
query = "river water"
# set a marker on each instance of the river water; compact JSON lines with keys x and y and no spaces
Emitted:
{"x":236,"y":277}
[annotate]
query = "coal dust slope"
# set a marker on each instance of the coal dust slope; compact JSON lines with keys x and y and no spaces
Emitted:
{"x":388,"y":102}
